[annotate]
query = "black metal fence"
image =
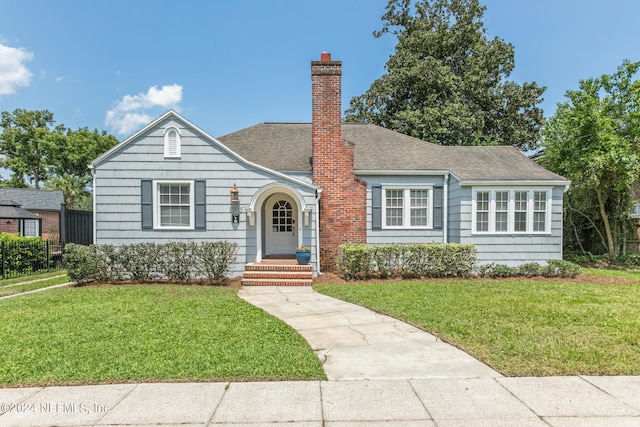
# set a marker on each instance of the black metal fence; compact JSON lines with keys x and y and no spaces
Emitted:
{"x":22,"y":258}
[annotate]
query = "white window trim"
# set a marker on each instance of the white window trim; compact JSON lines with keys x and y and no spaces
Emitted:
{"x":406,"y":208}
{"x":156,"y":205}
{"x":511,"y":216}
{"x":178,"y":152}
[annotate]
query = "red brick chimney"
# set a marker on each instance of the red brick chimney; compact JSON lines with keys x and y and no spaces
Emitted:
{"x":343,"y":200}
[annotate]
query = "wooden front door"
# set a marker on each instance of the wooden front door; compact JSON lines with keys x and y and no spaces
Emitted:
{"x":281,"y":228}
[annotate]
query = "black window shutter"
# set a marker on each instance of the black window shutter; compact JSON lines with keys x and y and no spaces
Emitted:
{"x":376,"y":207}
{"x":146,"y":191}
{"x":438,"y":196}
{"x":200,"y":192}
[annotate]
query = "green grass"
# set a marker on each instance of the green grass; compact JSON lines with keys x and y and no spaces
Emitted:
{"x":606,"y":272}
{"x":48,"y":274}
{"x":42,"y":283}
{"x":146,"y":333}
{"x":519,"y":327}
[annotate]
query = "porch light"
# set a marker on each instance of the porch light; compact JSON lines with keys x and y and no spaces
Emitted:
{"x":234,"y":194}
{"x":235,"y":205}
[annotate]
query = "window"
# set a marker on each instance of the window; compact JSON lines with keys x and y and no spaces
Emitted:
{"x":31,"y":228}
{"x":520,"y":223}
{"x":502,"y":211}
{"x":179,"y":204}
{"x":511,"y":211}
{"x":407,"y":208}
{"x":482,"y":211}
{"x":282,"y":217}
{"x":174,"y":204}
{"x":635,"y":213}
{"x":539,"y":210}
{"x":394,"y":208}
{"x":172,"y":143}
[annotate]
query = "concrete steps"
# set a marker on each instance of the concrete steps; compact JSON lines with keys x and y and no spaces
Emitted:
{"x":277,"y":273}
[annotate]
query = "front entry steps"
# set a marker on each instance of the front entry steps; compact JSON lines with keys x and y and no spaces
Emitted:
{"x":277,"y":273}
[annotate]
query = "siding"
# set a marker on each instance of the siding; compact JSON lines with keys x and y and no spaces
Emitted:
{"x":118,"y":192}
{"x":395,"y":235}
{"x":455,"y":204}
{"x":513,"y":249}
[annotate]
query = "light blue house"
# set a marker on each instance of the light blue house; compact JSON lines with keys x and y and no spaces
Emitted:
{"x":276,"y":186}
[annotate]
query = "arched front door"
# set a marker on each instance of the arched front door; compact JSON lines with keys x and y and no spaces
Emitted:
{"x":281,"y":225}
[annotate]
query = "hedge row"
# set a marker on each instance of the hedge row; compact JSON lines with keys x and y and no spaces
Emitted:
{"x":176,"y":261}
{"x":23,"y":255}
{"x":406,"y":260}
{"x":555,"y":268}
{"x":436,"y":260}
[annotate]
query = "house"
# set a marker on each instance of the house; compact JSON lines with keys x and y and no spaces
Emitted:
{"x":43,"y":203}
{"x":275,"y":186}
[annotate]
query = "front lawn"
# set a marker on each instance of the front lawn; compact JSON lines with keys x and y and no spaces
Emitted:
{"x":32,"y":284}
{"x":146,"y":333}
{"x":527,"y":327}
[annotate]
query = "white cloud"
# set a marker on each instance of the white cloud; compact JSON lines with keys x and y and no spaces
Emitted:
{"x":13,"y":72}
{"x":132,"y":111}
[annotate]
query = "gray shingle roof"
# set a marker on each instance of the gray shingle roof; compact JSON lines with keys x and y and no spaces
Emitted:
{"x":286,"y":147}
{"x":12,"y":210}
{"x":32,"y":199}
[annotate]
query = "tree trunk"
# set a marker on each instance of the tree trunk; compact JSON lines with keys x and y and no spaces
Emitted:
{"x":607,"y":227}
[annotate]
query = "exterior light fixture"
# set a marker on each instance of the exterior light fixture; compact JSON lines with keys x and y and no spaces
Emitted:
{"x":235,"y":205}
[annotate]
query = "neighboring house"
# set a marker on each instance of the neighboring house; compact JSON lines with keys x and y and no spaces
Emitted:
{"x":43,"y":203}
{"x":322,"y":184}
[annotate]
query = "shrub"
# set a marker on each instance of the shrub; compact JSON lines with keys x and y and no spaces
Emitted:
{"x":530,"y":269}
{"x":561,"y":268}
{"x":140,"y":260}
{"x":179,"y":261}
{"x":405,"y":260}
{"x":214,"y":259}
{"x":23,"y":254}
{"x":83,"y":263}
{"x":630,"y":259}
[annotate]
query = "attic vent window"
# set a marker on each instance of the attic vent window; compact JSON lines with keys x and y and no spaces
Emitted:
{"x":172,"y":143}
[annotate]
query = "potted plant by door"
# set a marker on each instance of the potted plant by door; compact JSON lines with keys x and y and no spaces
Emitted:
{"x":303,"y":255}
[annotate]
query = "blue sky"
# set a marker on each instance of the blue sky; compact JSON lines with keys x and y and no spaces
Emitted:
{"x":227,"y":65}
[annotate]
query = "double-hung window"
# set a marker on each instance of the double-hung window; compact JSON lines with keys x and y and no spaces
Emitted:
{"x":174,"y":206}
{"x":407,"y":207}
{"x":511,"y":211}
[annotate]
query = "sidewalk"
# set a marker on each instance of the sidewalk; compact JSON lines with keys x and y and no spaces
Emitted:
{"x":441,"y":402}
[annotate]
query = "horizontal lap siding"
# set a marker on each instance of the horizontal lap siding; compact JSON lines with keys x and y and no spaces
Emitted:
{"x":454,"y":209}
{"x":118,"y":193}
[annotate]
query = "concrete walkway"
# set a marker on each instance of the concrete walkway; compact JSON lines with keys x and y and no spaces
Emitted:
{"x":355,"y":343}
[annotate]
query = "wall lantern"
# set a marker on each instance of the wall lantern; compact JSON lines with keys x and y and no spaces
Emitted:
{"x":235,"y":205}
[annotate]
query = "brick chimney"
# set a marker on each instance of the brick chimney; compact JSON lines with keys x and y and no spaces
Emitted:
{"x":343,"y":201}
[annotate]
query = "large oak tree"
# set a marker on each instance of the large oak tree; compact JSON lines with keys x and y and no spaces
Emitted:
{"x":447,"y":81}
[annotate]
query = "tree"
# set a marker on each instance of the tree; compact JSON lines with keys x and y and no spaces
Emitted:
{"x":57,"y":157}
{"x":23,"y":144}
{"x":593,"y":140}
{"x":446,"y":82}
{"x":71,"y":151}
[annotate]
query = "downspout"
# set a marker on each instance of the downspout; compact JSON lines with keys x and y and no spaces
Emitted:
{"x":445,"y":209}
{"x":317,"y":215}
{"x":93,"y":183}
